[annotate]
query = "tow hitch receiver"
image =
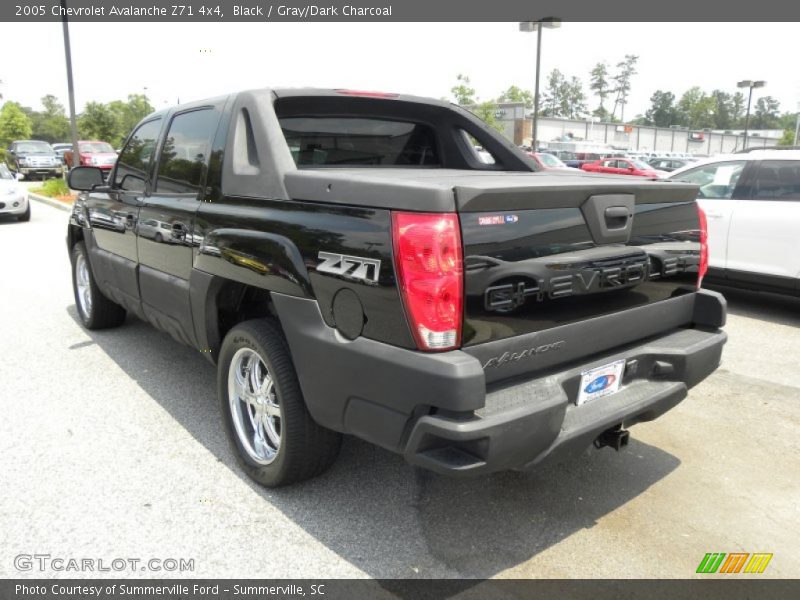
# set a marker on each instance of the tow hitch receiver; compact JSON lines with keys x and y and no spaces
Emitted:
{"x":616,"y":438}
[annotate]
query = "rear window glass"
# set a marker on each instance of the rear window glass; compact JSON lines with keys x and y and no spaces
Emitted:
{"x":357,"y":141}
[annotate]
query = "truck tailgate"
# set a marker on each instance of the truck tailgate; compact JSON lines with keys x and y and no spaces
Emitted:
{"x":541,"y":254}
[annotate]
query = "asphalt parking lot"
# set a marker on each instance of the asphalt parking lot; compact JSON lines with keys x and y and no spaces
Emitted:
{"x":112,"y":446}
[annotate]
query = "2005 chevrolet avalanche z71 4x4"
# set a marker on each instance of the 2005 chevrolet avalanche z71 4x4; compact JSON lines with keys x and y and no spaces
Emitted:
{"x":352,"y":264}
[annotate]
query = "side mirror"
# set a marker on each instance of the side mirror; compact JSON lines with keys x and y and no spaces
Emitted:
{"x":84,"y":179}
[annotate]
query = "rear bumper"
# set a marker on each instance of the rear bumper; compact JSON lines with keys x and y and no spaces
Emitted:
{"x":442,"y":412}
{"x":527,"y":423}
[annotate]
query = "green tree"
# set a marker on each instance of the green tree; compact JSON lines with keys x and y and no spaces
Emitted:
{"x":462,"y":92}
{"x":515,"y":94}
{"x":696,"y":109}
{"x":662,"y":111}
{"x":626,"y":69}
{"x":737,"y":109}
{"x":787,"y":139}
{"x":14,"y":124}
{"x":574,"y":99}
{"x":98,"y":122}
{"x":563,"y":97}
{"x":51,"y":124}
{"x":765,"y":114}
{"x":129,"y":113}
{"x":600,"y":86}
{"x":723,"y":109}
{"x":553,"y":102}
{"x":486,"y":112}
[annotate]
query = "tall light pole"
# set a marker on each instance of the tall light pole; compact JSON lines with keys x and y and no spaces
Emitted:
{"x":537,"y":26}
{"x":797,"y":127}
{"x":747,"y":83}
{"x":70,"y":88}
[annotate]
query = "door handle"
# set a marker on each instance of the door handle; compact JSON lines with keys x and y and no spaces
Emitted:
{"x":617,"y":217}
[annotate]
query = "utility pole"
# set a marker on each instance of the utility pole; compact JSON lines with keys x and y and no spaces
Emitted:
{"x":530,"y":26}
{"x":534,"y":129}
{"x":748,"y":83}
{"x":70,"y":87}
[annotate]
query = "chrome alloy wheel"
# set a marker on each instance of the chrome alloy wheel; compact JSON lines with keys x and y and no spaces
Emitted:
{"x":82,"y":283}
{"x":254,"y":406}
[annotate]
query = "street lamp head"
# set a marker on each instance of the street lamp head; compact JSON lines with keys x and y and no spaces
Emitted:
{"x":547,"y":23}
{"x":745,"y":84}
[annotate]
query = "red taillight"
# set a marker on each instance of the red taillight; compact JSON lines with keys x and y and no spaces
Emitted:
{"x":703,"y":268}
{"x":430,"y":274}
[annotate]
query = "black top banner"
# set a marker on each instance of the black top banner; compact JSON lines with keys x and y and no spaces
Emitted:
{"x":210,"y":11}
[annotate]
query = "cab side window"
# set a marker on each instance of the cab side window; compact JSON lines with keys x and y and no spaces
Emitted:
{"x":777,"y":180}
{"x":716,"y":181}
{"x":184,"y":157}
{"x":134,"y":160}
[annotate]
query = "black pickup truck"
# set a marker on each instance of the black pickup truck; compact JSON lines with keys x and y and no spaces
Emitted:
{"x":352,"y":265}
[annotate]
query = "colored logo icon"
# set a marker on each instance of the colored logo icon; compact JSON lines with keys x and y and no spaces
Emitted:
{"x":735,"y":562}
{"x":599,"y":384}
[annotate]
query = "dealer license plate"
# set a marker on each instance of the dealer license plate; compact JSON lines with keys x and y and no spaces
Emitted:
{"x":600,"y":381}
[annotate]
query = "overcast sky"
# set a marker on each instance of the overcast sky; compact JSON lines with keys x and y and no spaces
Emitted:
{"x":191,"y":61}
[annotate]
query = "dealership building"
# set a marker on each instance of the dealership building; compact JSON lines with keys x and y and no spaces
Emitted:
{"x":517,"y":126}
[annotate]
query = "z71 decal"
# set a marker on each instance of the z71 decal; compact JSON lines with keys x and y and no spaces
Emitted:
{"x":355,"y":267}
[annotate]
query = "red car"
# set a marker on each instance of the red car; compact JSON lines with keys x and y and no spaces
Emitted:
{"x":548,"y":162}
{"x":623,"y":166}
{"x":93,"y":154}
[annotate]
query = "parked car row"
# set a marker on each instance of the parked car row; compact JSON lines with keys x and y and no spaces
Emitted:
{"x":623,"y":166}
{"x":669,"y":164}
{"x":37,"y":159}
{"x":548,"y":162}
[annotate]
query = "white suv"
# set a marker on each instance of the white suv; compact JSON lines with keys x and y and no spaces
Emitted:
{"x":752,"y":203}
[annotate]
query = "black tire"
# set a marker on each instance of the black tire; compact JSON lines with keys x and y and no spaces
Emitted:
{"x":102,"y":313}
{"x":159,"y":238}
{"x":26,"y":216}
{"x":306,"y":449}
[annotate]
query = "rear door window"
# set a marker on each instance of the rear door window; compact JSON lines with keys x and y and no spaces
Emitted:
{"x":776,"y":180}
